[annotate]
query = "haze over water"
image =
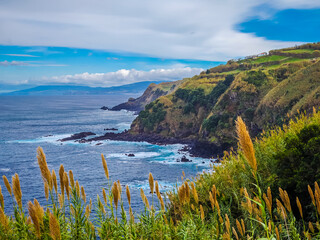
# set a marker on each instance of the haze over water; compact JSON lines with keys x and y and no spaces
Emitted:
{"x":27,"y":122}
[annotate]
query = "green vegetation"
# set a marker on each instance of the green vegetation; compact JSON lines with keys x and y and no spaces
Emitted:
{"x":283,"y":72}
{"x":271,"y":58}
{"x":197,"y":97}
{"x":256,"y":78}
{"x":154,"y":113}
{"x":248,"y":186}
{"x":298,"y":163}
{"x":300,"y":51}
{"x":242,"y":198}
{"x":192,"y":98}
{"x":263,"y":90}
{"x":292,"y":93}
{"x":215,"y":121}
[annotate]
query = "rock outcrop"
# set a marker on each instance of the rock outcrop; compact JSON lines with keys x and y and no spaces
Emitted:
{"x":153,"y":92}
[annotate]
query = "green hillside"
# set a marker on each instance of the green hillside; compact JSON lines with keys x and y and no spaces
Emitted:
{"x":262,"y":89}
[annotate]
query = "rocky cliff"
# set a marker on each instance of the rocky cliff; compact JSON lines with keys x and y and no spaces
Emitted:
{"x":153,"y":92}
{"x":265,"y":90}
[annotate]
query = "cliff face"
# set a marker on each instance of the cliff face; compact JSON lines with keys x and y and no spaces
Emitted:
{"x":153,"y":92}
{"x":264,"y":90}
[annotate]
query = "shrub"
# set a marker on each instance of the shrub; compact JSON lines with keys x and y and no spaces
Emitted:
{"x":153,"y":114}
{"x":297,"y":165}
{"x":212,"y":123}
{"x":256,"y":78}
{"x":192,"y":98}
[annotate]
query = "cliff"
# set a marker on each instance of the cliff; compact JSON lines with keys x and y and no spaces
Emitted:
{"x":153,"y":92}
{"x":264,"y":90}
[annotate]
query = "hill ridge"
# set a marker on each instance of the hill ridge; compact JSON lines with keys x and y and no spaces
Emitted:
{"x":262,"y":89}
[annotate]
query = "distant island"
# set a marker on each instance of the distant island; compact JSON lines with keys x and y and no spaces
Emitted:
{"x":59,"y":90}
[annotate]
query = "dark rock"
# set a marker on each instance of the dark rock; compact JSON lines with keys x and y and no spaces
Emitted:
{"x":195,"y":148}
{"x":185,"y":159}
{"x":206,"y":149}
{"x":185,"y":148}
{"x":105,"y":108}
{"x":111,"y":129}
{"x":130,"y":155}
{"x":78,"y":136}
{"x":150,"y":138}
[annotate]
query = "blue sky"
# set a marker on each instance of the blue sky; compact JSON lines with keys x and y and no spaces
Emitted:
{"x":108,"y":43}
{"x":300,"y":25}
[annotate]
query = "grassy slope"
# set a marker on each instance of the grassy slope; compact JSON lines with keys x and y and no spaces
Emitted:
{"x":295,"y":90}
{"x":265,"y":89}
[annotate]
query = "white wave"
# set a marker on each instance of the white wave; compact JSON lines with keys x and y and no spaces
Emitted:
{"x":123,"y":126}
{"x":5,"y":169}
{"x":172,"y":156}
{"x":127,"y":111}
{"x":48,"y":139}
{"x":136,"y":155}
{"x":54,"y":139}
{"x":114,"y":142}
{"x":198,"y":163}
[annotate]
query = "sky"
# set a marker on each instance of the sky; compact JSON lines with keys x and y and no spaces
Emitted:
{"x":102,"y":43}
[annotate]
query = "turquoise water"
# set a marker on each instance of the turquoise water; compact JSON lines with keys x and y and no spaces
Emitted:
{"x":27,"y":122}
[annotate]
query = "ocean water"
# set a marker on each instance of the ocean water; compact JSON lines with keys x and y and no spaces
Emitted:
{"x":27,"y":122}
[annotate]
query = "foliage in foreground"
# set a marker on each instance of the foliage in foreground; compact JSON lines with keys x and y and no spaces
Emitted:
{"x":241,"y":199}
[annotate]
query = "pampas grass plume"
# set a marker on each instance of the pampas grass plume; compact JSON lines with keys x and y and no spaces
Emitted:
{"x":7,"y":184}
{"x":17,"y":189}
{"x":105,"y":167}
{"x":246,"y":144}
{"x":54,"y":227}
{"x":128,"y":195}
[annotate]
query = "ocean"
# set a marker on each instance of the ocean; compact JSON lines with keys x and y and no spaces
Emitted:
{"x":27,"y":122}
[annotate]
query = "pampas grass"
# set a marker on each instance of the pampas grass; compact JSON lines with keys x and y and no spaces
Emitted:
{"x":105,"y":167}
{"x":7,"y":184}
{"x":54,"y":227}
{"x":17,"y":189}
{"x":246,"y":144}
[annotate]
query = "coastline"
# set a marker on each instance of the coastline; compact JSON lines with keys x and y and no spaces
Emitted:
{"x":195,"y":148}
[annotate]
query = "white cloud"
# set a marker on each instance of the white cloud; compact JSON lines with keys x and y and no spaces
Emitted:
{"x":203,"y":29}
{"x":19,"y":55}
{"x":30,"y":64}
{"x":13,"y":63}
{"x":120,"y":77}
{"x":43,"y":50}
{"x":295,"y":4}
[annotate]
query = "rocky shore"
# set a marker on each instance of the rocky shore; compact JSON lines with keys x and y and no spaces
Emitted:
{"x":194,"y":147}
